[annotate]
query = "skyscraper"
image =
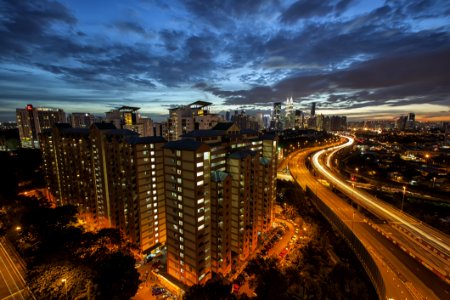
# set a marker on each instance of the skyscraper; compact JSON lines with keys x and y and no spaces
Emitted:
{"x":313,"y":109}
{"x":275,"y":123}
{"x":31,"y":121}
{"x":289,"y":114}
{"x":298,"y":119}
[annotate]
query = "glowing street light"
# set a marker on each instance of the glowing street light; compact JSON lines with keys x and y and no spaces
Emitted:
{"x":65,"y":285}
{"x":18,"y":228}
{"x":403,"y":198}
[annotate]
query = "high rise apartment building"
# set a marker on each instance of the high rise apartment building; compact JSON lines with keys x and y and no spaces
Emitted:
{"x":128,"y":117}
{"x":31,"y":121}
{"x":81,"y":120}
{"x":188,"y":210}
{"x":111,"y":173}
{"x":184,"y":119}
{"x":241,"y":192}
{"x":208,"y":196}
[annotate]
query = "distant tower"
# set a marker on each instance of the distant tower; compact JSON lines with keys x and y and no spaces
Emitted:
{"x":227,"y":116}
{"x":411,"y":122}
{"x":289,"y":113}
{"x":276,"y":116}
{"x":313,"y":109}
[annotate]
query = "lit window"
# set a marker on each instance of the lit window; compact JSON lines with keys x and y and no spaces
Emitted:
{"x":199,"y":173}
{"x":201,"y":218}
{"x":199,"y":183}
{"x":199,"y":164}
{"x":201,"y":227}
{"x":200,"y":201}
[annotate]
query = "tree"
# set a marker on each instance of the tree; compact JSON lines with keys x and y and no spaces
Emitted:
{"x":215,"y":288}
{"x":116,"y":277}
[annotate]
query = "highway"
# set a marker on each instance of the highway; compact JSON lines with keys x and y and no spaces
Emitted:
{"x":425,"y":243}
{"x":12,"y":283}
{"x":404,"y":277}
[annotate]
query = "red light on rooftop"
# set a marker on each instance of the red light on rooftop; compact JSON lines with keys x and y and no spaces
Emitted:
{"x":29,"y":107}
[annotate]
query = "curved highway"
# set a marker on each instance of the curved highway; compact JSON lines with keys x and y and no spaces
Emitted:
{"x":430,"y":246}
{"x":404,"y":277}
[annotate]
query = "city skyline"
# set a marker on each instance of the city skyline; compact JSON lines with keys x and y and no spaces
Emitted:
{"x":356,"y":58}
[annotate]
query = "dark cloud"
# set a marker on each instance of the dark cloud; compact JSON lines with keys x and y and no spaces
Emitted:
{"x":129,"y":26}
{"x":305,"y":9}
{"x":415,"y":78}
{"x":267,"y":50}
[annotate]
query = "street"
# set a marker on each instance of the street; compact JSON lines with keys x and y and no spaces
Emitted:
{"x":405,"y":285}
{"x":12,"y":283}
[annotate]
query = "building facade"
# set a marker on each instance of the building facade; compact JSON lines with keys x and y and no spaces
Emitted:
{"x":242,"y":191}
{"x":208,"y":196}
{"x":184,"y":119}
{"x":31,"y":121}
{"x":112,"y":174}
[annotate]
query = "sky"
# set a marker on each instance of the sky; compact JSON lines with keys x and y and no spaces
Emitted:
{"x":365,"y":59}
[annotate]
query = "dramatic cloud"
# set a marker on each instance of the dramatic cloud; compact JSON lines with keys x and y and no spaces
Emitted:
{"x":343,"y":54}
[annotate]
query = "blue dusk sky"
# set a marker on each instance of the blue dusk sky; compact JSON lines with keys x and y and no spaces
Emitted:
{"x":361,"y":58}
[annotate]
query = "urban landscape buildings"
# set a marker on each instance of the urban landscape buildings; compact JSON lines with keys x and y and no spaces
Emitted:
{"x":203,"y":187}
{"x":207,"y":195}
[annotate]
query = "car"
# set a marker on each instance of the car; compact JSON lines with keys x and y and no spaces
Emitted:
{"x":235,"y":288}
{"x":158,"y":291}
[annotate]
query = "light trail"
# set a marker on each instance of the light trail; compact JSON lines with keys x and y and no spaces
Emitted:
{"x":370,"y":201}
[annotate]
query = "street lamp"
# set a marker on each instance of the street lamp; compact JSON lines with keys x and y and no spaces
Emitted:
{"x":403,"y":198}
{"x":65,"y":285}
